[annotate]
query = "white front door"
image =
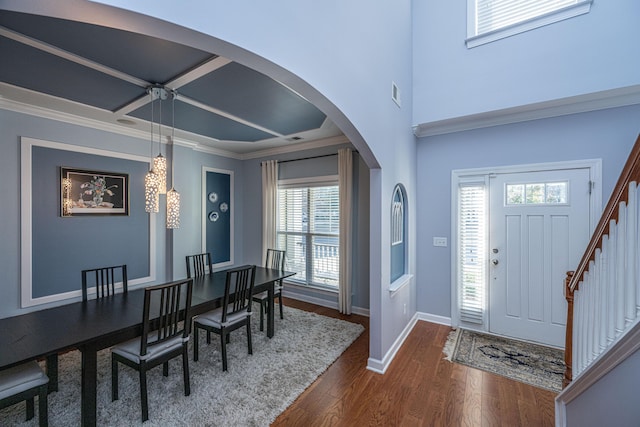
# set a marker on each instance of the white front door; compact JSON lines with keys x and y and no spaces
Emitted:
{"x":538,"y":230}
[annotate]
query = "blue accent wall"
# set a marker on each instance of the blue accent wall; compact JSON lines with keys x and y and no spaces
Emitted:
{"x":219,"y":231}
{"x":64,"y":246}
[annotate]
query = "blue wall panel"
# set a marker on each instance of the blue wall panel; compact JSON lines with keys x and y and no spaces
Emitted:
{"x":64,"y":246}
{"x":218,"y":231}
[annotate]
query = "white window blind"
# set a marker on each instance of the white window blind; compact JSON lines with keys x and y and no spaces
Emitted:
{"x":308,"y":230}
{"x":490,"y":20}
{"x":472,"y":249}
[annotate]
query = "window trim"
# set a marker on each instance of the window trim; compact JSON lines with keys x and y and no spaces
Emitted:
{"x":308,"y":182}
{"x":473,"y":39}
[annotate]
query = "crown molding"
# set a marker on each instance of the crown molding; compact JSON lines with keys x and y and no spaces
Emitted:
{"x":613,"y":98}
{"x":318,"y":143}
{"x":143,"y":136}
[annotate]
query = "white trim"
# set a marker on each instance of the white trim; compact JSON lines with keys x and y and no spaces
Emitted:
{"x":625,"y":346}
{"x":26,"y":232}
{"x":459,"y":175}
{"x":434,"y":318}
{"x":322,"y":302}
{"x":580,"y":8}
{"x":595,"y":101}
{"x":400,"y":283}
{"x":380,"y":366}
{"x":205,"y":216}
{"x":310,"y":145}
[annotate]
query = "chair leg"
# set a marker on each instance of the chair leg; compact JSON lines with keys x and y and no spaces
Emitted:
{"x":208,"y":337}
{"x":165,"y":369}
{"x":280,"y":301}
{"x":30,"y":407}
{"x":223,"y":341}
{"x":43,"y":406}
{"x":185,"y":370}
{"x":143,"y":394}
{"x":249,"y":343}
{"x":262,"y":312}
{"x":195,"y":344}
{"x":114,"y":379}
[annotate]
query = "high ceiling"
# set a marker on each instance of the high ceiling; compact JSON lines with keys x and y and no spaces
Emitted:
{"x":103,"y":74}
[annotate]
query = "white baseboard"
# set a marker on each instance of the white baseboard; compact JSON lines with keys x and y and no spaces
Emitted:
{"x":380,"y":366}
{"x":434,"y":318}
{"x":323,"y":302}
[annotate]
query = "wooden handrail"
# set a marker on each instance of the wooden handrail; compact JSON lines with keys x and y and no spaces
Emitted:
{"x":630,"y":173}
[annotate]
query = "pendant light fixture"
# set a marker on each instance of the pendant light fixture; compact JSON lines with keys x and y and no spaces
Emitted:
{"x":151,"y":181}
{"x":173,"y":197}
{"x":160,"y":162}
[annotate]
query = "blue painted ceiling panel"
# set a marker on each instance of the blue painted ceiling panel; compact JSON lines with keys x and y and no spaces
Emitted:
{"x":148,"y":58}
{"x":202,"y":122}
{"x":251,"y":95}
{"x":34,"y":69}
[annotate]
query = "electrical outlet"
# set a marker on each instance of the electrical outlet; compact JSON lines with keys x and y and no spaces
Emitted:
{"x":440,"y":241}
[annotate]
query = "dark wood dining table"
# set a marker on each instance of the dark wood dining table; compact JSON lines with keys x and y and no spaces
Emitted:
{"x":94,"y":325}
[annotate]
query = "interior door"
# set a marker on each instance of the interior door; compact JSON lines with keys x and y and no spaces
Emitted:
{"x":538,"y":229}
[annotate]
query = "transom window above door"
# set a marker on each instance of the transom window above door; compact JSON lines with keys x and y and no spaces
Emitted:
{"x":537,"y":193}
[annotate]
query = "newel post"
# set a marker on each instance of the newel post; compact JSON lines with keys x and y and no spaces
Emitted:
{"x":568,"y":343}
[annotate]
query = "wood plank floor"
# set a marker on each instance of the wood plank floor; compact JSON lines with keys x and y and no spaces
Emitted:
{"x":420,"y":388}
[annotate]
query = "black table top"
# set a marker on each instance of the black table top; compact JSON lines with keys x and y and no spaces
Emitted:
{"x":105,"y":321}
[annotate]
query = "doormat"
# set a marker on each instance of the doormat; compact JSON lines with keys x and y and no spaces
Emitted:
{"x":529,"y":363}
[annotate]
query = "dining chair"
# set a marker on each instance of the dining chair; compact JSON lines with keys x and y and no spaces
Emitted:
{"x":234,"y":313}
{"x":198,"y":264}
{"x":166,"y":324}
{"x":275,"y":260}
{"x":24,"y":382}
{"x":104,"y":279}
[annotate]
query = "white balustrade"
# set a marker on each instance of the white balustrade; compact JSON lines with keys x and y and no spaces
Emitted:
{"x":607,"y":300}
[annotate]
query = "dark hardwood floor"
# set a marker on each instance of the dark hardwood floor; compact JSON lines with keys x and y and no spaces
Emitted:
{"x":420,"y":388}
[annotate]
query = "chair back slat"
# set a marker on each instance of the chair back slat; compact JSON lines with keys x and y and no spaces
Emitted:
{"x":104,"y":279}
{"x":239,"y":284}
{"x":168,"y":307}
{"x":199,"y":264}
{"x":275,"y":259}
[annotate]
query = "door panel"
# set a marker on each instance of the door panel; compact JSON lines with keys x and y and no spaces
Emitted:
{"x":539,"y":227}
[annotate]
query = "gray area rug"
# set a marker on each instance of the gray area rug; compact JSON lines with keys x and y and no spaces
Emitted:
{"x":529,"y":363}
{"x":253,"y":392}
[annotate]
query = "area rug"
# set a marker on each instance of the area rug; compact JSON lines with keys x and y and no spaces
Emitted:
{"x":253,"y":392}
{"x":529,"y":363}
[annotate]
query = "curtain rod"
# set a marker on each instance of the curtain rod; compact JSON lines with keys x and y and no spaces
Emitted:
{"x":311,"y":157}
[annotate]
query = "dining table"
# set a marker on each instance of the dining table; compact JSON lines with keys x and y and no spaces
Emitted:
{"x":93,"y":325}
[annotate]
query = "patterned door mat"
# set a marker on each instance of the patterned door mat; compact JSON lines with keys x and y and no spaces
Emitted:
{"x":529,"y":363}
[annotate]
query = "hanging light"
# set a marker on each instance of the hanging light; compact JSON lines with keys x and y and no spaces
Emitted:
{"x":173,"y":197}
{"x":67,"y":203}
{"x":160,"y":162}
{"x":151,"y":181}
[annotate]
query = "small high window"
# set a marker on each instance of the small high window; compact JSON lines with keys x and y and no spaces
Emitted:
{"x":490,"y":20}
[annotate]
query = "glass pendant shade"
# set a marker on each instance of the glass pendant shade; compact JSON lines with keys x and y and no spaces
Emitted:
{"x":160,"y":169}
{"x":173,"y":209}
{"x":151,"y":192}
{"x":67,"y":203}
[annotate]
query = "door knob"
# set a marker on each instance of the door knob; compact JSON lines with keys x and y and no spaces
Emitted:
{"x":494,"y":261}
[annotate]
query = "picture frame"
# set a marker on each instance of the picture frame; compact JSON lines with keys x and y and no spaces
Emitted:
{"x":91,"y":192}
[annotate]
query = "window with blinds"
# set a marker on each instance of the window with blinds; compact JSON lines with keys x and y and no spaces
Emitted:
{"x":490,"y":20}
{"x":308,"y":230}
{"x":472,"y":249}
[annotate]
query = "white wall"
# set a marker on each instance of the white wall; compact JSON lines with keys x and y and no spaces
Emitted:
{"x":582,"y":55}
{"x":607,"y":134}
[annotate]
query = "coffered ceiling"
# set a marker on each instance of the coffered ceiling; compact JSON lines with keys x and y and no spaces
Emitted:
{"x":103,"y":74}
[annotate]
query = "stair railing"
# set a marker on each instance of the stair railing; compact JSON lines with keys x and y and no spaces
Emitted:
{"x":603,"y":293}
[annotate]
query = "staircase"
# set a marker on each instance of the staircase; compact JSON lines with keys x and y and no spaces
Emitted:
{"x":603,"y":293}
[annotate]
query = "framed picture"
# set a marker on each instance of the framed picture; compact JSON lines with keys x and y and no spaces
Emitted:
{"x":87,"y":192}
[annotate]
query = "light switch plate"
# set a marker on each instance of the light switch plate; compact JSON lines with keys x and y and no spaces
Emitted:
{"x":440,"y":241}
